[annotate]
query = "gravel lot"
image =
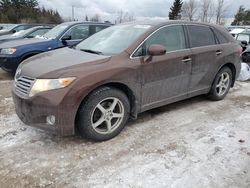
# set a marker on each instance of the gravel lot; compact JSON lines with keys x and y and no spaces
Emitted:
{"x":194,"y":143}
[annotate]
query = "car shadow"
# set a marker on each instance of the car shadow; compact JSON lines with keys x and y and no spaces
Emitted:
{"x":4,"y":76}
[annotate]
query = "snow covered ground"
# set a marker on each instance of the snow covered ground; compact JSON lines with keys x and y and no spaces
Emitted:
{"x":194,"y":143}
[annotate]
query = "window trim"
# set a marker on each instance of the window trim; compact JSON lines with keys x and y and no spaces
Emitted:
{"x":140,"y":45}
{"x":217,"y":38}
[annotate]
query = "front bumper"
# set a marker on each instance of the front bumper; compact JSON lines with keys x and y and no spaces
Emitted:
{"x":34,"y":111}
{"x":9,"y":62}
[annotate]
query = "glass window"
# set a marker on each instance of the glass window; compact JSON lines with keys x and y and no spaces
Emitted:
{"x":114,"y":40}
{"x":38,"y":32}
{"x":21,"y":27}
{"x":56,"y":31}
{"x":222,"y":39}
{"x":200,"y":36}
{"x":171,"y":37}
{"x":242,"y":37}
{"x":78,"y":32}
{"x":99,"y":28}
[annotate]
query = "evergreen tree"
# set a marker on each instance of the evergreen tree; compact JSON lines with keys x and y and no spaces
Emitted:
{"x":16,"y":11}
{"x":175,"y":10}
{"x":240,"y":16}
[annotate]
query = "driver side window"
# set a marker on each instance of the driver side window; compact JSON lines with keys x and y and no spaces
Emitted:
{"x":78,"y":32}
{"x":171,"y":37}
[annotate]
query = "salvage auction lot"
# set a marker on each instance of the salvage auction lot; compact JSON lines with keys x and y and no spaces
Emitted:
{"x":193,"y":143}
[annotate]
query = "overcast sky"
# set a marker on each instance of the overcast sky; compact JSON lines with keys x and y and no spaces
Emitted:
{"x":139,"y":8}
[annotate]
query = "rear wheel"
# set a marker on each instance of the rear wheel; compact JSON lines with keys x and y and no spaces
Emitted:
{"x":221,"y":85}
{"x":104,"y":114}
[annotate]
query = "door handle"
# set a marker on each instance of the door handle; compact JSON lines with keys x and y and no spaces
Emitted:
{"x":218,"y":52}
{"x":186,"y":59}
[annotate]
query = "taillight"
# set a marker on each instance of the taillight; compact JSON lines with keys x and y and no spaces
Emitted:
{"x":241,"y":51}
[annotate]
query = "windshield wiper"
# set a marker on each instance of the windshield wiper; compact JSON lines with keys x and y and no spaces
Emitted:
{"x":92,"y":51}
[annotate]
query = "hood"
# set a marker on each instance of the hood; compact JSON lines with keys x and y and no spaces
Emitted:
{"x":53,"y":63}
{"x":6,"y":37}
{"x":21,"y":42}
{"x":4,"y":32}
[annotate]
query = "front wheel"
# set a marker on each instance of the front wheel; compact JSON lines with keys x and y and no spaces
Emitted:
{"x":103,"y":114}
{"x":221,"y":85}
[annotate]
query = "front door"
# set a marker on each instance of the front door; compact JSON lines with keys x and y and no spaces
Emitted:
{"x":166,"y":78}
{"x":77,"y":34}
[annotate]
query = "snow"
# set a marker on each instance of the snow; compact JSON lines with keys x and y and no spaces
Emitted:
{"x":193,"y":143}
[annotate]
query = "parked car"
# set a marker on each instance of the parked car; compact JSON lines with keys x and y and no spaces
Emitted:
{"x":6,"y":26}
{"x":246,"y":55}
{"x":28,"y":33}
{"x":67,"y":34}
{"x":235,"y":32}
{"x":244,"y":39}
{"x":10,"y":29}
{"x":114,"y":75}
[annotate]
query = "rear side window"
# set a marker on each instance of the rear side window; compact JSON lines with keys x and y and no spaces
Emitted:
{"x":222,"y":39}
{"x":200,"y":36}
{"x":100,"y":27}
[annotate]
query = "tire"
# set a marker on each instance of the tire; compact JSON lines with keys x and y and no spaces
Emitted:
{"x":220,"y":88}
{"x":103,"y":114}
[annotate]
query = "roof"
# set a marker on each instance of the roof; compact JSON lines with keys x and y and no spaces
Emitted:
{"x":160,"y":22}
{"x":85,"y":22}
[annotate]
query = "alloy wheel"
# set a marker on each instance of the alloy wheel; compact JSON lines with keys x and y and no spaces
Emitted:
{"x":223,"y":84}
{"x":107,"y":115}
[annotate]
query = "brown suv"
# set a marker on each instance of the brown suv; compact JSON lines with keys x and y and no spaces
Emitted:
{"x":97,"y":86}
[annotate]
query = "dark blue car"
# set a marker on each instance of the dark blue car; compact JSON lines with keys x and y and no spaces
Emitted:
{"x":12,"y":53}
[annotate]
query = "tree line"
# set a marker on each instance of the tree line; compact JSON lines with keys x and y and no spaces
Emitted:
{"x":26,"y":11}
{"x":206,"y":11}
{"x":194,"y":10}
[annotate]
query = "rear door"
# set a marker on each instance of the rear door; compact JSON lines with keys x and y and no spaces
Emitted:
{"x":206,"y":56}
{"x":166,"y":77}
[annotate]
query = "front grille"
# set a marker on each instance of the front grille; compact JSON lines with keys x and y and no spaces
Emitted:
{"x":23,"y":84}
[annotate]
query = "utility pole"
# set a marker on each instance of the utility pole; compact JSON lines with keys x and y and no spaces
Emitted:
{"x":73,"y":13}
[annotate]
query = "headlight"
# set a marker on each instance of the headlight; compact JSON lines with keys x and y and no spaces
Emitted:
{"x":8,"y":51}
{"x":41,"y":85}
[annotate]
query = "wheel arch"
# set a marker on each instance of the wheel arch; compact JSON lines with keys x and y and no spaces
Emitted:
{"x":30,"y":54}
{"x":121,"y":86}
{"x":233,"y":69}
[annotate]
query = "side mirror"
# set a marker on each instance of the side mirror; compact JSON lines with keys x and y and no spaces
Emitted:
{"x":66,"y":37}
{"x":156,"y":50}
{"x":30,"y":37}
{"x":14,"y":31}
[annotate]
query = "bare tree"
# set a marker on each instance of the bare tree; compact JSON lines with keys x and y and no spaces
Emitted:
{"x":189,"y":8}
{"x":124,"y":17}
{"x":220,"y":10}
{"x":95,"y":18}
{"x":204,"y":10}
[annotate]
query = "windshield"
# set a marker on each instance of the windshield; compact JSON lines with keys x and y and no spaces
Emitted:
{"x":113,"y":40}
{"x":8,"y":27}
{"x":55,"y":32}
{"x":242,"y":37}
{"x":22,"y":33}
